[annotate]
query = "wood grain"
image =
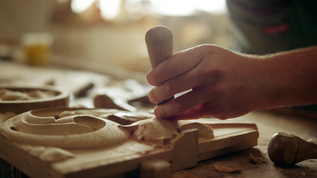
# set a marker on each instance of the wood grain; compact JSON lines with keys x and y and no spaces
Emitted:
{"x":287,"y":149}
{"x":78,"y":142}
{"x":159,"y":42}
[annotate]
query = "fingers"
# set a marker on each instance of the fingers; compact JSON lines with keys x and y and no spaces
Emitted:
{"x":195,"y":113}
{"x":208,"y":109}
{"x":184,"y":76}
{"x":181,"y":104}
{"x":174,"y":65}
{"x":217,"y":80}
{"x":174,"y":86}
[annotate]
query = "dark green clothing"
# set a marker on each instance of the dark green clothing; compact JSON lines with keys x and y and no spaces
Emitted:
{"x":268,"y":26}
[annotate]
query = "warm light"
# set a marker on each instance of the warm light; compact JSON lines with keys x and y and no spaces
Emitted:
{"x":173,"y":7}
{"x":187,"y":7}
{"x":214,"y":6}
{"x":109,"y":9}
{"x":79,"y":6}
{"x":135,"y":9}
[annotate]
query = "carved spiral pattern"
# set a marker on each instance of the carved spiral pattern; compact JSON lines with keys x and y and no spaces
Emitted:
{"x":65,"y":128}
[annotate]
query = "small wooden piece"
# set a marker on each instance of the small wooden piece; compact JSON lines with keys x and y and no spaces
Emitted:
{"x":185,"y":152}
{"x":155,"y":168}
{"x":104,"y":101}
{"x":286,"y":149}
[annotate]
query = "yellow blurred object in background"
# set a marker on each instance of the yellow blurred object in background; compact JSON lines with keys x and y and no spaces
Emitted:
{"x":37,"y":48}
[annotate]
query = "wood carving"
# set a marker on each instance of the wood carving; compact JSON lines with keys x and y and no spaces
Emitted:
{"x":204,"y":131}
{"x":19,"y":99}
{"x":9,"y":95}
{"x":82,"y":142}
{"x":156,"y":131}
{"x":68,"y":131}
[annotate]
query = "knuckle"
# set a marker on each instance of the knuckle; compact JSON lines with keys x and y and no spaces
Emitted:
{"x":152,"y":96}
{"x":153,"y":81}
{"x":170,"y":87}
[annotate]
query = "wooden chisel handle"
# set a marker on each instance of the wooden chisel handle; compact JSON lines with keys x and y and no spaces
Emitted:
{"x":159,"y":42}
{"x":286,"y":149}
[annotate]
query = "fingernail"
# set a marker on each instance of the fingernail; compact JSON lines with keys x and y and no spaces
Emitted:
{"x":152,"y":97}
{"x":156,"y":112}
{"x":148,"y":77}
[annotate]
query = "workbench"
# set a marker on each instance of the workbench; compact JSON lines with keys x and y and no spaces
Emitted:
{"x":268,"y":123}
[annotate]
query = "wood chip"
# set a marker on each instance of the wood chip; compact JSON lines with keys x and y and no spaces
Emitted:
{"x":303,"y":173}
{"x":256,"y":160}
{"x":221,"y":168}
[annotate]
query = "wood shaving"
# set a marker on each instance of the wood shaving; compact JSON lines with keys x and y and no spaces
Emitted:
{"x":221,"y":168}
{"x":256,"y":160}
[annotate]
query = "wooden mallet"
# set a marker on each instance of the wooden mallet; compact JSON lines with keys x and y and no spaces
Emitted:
{"x":286,"y":149}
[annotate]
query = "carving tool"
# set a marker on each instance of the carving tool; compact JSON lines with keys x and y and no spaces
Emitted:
{"x":286,"y":149}
{"x":159,"y":42}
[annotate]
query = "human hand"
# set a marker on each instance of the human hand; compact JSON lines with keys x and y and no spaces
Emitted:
{"x":223,"y":84}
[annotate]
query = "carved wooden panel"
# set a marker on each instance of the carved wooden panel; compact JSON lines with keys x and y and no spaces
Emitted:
{"x":72,"y":142}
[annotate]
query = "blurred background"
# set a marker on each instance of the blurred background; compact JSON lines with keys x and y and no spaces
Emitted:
{"x":103,"y":35}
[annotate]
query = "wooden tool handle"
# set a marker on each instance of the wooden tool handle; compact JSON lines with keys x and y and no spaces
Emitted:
{"x":286,"y":149}
{"x":159,"y":42}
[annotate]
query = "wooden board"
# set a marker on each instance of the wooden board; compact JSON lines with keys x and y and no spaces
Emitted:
{"x":77,"y":142}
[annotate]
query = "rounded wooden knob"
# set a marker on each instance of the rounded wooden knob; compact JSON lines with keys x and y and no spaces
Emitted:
{"x":159,"y":42}
{"x":286,"y":149}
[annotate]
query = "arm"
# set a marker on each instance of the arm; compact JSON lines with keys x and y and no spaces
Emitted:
{"x":226,"y":84}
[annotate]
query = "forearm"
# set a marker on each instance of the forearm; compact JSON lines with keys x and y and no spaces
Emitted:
{"x":289,"y":78}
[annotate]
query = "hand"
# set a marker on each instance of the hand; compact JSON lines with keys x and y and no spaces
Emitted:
{"x":223,"y":84}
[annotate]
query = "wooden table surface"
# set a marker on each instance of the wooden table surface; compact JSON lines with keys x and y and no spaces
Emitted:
{"x":268,"y":123}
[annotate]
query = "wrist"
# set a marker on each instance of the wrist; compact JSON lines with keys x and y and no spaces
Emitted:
{"x":287,"y":78}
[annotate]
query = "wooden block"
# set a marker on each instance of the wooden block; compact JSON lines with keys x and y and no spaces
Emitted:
{"x":185,"y":150}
